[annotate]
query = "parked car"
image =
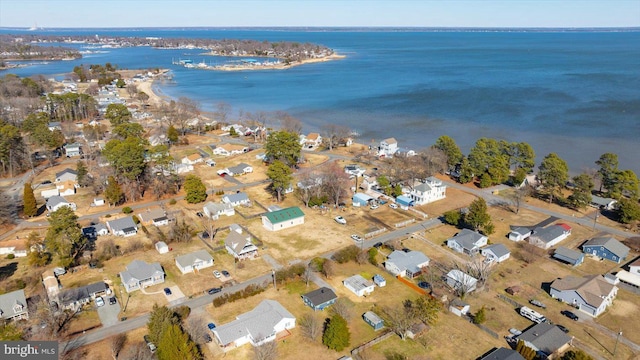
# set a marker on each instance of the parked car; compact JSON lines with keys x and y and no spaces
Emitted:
{"x":563,"y":328}
{"x":225,"y":273}
{"x":374,"y":206}
{"x":150,"y":345}
{"x":214,"y":290}
{"x":59,"y":270}
{"x":217,"y":274}
{"x":112,"y":300}
{"x":99,"y":301}
{"x":393,"y":206}
{"x":200,"y":214}
{"x":515,"y":331}
{"x":207,"y":338}
{"x":570,"y":315}
{"x":211,"y":326}
{"x":167,"y":291}
{"x":340,"y":220}
{"x":356,"y":238}
{"x":377,"y":245}
{"x":46,"y":182}
{"x":537,"y":303}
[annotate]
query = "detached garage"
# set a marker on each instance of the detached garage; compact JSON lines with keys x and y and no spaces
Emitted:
{"x":283,"y":219}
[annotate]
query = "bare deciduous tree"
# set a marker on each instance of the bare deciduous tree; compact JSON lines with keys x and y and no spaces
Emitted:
{"x":335,"y":182}
{"x":222,"y":111}
{"x":479,"y":269}
{"x":266,"y":351}
{"x":196,"y":327}
{"x":329,"y":269}
{"x":398,"y":319}
{"x":333,"y":134}
{"x":116,"y":343}
{"x":529,"y":253}
{"x":311,"y":326}
{"x":343,"y":307}
{"x":289,"y":123}
{"x":137,"y":351}
{"x":518,"y":196}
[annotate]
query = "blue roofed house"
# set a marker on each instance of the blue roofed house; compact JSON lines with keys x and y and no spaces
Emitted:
{"x":404,"y":202}
{"x":406,"y":264}
{"x":569,"y":256}
{"x":467,"y":242}
{"x":320,"y":299}
{"x":606,"y":247}
{"x":361,"y":199}
{"x":239,"y":198}
{"x":139,"y":274}
{"x":495,"y":253}
{"x":283,"y":219}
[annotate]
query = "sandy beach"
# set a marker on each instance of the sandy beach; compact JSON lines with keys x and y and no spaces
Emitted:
{"x":268,"y":66}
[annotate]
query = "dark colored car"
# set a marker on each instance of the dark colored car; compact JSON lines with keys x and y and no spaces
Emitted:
{"x":46,"y":182}
{"x":225,"y":273}
{"x":167,"y":291}
{"x":377,"y":245}
{"x":570,"y":315}
{"x":200,"y":214}
{"x":563,"y":328}
{"x":214,"y":290}
{"x":112,"y":300}
{"x":207,"y":338}
{"x":211,"y":326}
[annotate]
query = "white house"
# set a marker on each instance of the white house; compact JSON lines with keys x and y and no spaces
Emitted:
{"x":388,"y":147}
{"x":602,"y":203}
{"x":194,"y":261}
{"x":237,"y":199}
{"x":72,"y":150}
{"x":359,"y":285}
{"x":240,"y":246}
{"x":54,"y":125}
{"x":230,"y":149}
{"x":312,"y":141}
{"x":182,"y":168}
{"x":192,"y":159}
{"x":429,"y":191}
{"x":98,"y":202}
{"x":459,"y":307}
{"x":139,"y":274}
{"x":467,"y":242}
{"x":495,"y":252}
{"x":459,"y":280}
{"x":56,"y":202}
{"x":16,"y":247}
{"x":519,"y":234}
{"x":283,"y":219}
{"x":66,"y":175}
{"x":13,"y":306}
{"x":153,"y":216}
{"x":49,"y":191}
{"x":236,"y":170}
{"x":66,"y":188}
{"x":162,"y":247}
{"x":406,"y":264}
{"x":215,"y":210}
{"x":550,"y":235}
{"x":123,"y":227}
{"x":258,"y":326}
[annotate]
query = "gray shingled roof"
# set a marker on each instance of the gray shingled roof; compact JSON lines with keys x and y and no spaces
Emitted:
{"x":237,"y":197}
{"x":498,"y":249}
{"x":140,"y":270}
{"x":67,"y":170}
{"x":189,"y":259}
{"x":258,"y":323}
{"x":408,"y":261}
{"x":568,"y":253}
{"x":238,"y":168}
{"x":546,"y":337}
{"x":502,"y":354}
{"x":8,"y":300}
{"x":121,"y":224}
{"x":56,"y":200}
{"x":70,"y":296}
{"x":611,"y":244}
{"x":467,"y":238}
{"x":549,"y":233}
{"x":320,"y":296}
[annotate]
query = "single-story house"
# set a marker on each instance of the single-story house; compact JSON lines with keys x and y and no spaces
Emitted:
{"x":459,"y":280}
{"x":374,"y":320}
{"x":192,"y":159}
{"x":602,"y":203}
{"x":519,"y":234}
{"x":98,"y":202}
{"x":459,"y":307}
{"x":628,"y":278}
{"x":549,"y":236}
{"x":361,"y":199}
{"x":606,"y":247}
{"x":545,"y":339}
{"x":17,"y":247}
{"x":66,"y":175}
{"x":76,"y":297}
{"x":230,"y":149}
{"x":590,"y":294}
{"x":379,"y":280}
{"x":283,"y":219}
{"x":569,"y":256}
{"x":66,"y":188}
{"x":406,"y":264}
{"x":123,"y":227}
{"x":495,"y":252}
{"x":258,"y":326}
{"x":139,"y":274}
{"x":196,"y":260}
{"x":429,"y":191}
{"x":358,"y":285}
{"x":71,"y":150}
{"x":502,"y":354}
{"x":319,"y":299}
{"x":239,"y":198}
{"x":182,"y":168}
{"x":240,"y":246}
{"x":56,"y":202}
{"x":155,"y":216}
{"x":162,"y":247}
{"x":239,"y":169}
{"x":215,"y":210}
{"x":13,"y":306}
{"x":101,"y":229}
{"x":404,"y":202}
{"x":355,"y":170}
{"x":467,"y":242}
{"x":388,"y":147}
{"x":48,"y":191}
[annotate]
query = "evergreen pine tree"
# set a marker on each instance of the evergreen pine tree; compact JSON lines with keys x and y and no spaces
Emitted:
{"x":176,"y":344}
{"x":336,"y":335}
{"x":30,"y":206}
{"x":81,"y":172}
{"x":113,"y":193}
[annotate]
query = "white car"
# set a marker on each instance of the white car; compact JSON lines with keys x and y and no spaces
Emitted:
{"x":217,"y":274}
{"x":374,"y":206}
{"x":340,"y":220}
{"x":99,"y":301}
{"x":356,"y":238}
{"x":393,"y":206}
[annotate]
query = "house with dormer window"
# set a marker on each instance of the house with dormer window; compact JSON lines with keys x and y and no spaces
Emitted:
{"x":13,"y":306}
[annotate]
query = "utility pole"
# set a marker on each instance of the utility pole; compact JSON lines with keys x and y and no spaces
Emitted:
{"x":616,"y":346}
{"x":273,"y":275}
{"x":595,"y":218}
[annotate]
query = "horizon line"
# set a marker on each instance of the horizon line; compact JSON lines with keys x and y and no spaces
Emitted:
{"x":331,"y":27}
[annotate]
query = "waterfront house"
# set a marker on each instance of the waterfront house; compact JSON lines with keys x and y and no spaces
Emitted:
{"x":256,"y":327}
{"x":13,"y":306}
{"x":406,"y":264}
{"x":519,"y":233}
{"x":358,"y":285}
{"x":467,"y":242}
{"x":215,"y":210}
{"x":569,"y":256}
{"x":56,"y":202}
{"x":236,"y":199}
{"x":606,"y":247}
{"x":192,"y":159}
{"x":320,"y":299}
{"x":388,"y":147}
{"x":546,"y":340}
{"x":240,"y":245}
{"x":590,"y":294}
{"x":194,"y":261}
{"x":495,"y":253}
{"x":123,"y":227}
{"x":458,"y":280}
{"x":312,"y":141}
{"x":230,"y":149}
{"x":283,"y":219}
{"x":429,"y":191}
{"x":373,"y":320}
{"x":549,"y":236}
{"x":139,"y":274}
{"x":66,"y":175}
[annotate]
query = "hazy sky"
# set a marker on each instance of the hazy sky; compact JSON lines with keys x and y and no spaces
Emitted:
{"x":411,"y":13}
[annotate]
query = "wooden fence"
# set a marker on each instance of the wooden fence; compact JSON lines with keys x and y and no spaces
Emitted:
{"x":412,"y":285}
{"x":374,"y":233}
{"x":380,"y":338}
{"x":405,"y":223}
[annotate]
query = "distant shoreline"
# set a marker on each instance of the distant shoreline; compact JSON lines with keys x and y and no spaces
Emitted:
{"x":267,"y":65}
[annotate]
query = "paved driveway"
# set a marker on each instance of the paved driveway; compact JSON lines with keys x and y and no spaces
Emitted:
{"x":108,"y":313}
{"x":176,"y":296}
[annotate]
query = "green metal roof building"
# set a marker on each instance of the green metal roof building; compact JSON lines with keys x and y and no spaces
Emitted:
{"x":283,"y":219}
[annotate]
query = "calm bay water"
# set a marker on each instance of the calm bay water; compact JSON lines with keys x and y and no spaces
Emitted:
{"x":573,"y":93}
